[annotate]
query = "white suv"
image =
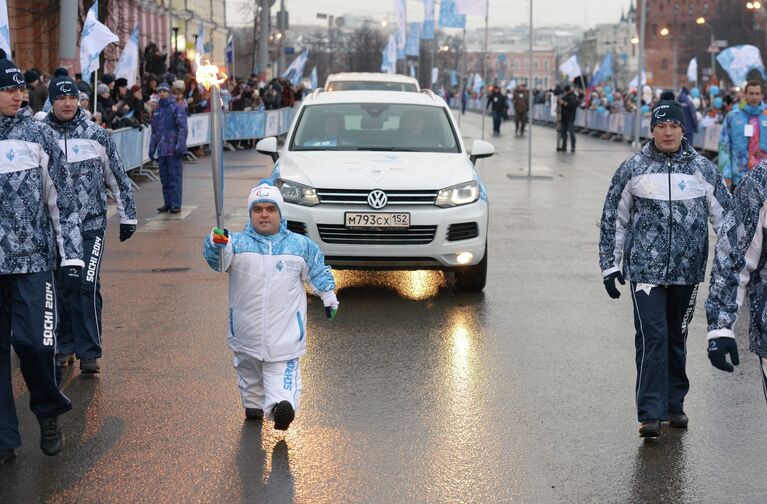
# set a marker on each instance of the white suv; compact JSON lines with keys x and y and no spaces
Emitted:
{"x":382,"y":180}
{"x":369,"y":81}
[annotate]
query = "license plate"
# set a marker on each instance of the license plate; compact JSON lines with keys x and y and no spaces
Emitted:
{"x":376,"y":220}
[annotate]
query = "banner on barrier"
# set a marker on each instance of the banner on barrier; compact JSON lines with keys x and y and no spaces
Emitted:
{"x":272,"y":123}
{"x":243,"y":125}
{"x":198,"y":129}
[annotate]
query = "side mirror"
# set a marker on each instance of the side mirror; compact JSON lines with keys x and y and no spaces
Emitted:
{"x":480,"y":149}
{"x":268,"y":146}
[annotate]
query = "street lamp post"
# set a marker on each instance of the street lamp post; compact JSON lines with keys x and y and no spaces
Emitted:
{"x":640,"y":64}
{"x":712,"y":47}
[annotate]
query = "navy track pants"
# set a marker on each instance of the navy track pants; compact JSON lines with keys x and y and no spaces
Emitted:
{"x":171,"y":175}
{"x":80,"y":312}
{"x":661,"y":317}
{"x":28,"y":322}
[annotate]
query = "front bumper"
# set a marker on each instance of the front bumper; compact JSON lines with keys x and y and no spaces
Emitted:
{"x":440,"y":253}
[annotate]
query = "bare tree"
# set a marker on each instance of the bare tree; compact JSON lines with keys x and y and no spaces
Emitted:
{"x":364,"y":47}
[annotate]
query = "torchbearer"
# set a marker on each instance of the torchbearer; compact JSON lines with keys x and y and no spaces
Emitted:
{"x":208,"y":76}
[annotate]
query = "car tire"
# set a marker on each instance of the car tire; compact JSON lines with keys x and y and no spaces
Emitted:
{"x":472,"y":278}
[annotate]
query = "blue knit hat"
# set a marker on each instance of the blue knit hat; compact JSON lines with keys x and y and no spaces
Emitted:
{"x":10,"y":76}
{"x":62,"y":86}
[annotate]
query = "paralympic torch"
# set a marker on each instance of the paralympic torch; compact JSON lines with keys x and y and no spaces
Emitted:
{"x":211,"y":79}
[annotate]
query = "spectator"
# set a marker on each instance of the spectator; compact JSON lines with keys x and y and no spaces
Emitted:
{"x":38,"y":92}
{"x":154,"y":60}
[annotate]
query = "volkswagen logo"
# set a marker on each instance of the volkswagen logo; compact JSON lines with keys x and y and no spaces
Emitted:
{"x":377,"y":199}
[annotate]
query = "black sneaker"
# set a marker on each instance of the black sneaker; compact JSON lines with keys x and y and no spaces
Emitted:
{"x":64,"y":360}
{"x":175,"y":210}
{"x":7,"y":455}
{"x":283,"y":415}
{"x":254,"y":413}
{"x":678,"y":420}
{"x":89,"y":366}
{"x":649,"y":429}
{"x":163,"y":208}
{"x":50,"y":436}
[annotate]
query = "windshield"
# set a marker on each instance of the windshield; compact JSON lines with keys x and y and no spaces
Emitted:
{"x":371,"y":86}
{"x":374,"y":127}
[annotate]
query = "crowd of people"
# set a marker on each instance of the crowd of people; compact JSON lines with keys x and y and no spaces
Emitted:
{"x":123,"y":104}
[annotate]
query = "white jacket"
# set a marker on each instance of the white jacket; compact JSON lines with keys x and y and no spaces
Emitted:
{"x":267,"y":299}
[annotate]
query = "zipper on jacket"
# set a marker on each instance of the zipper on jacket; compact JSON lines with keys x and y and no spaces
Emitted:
{"x":670,"y":221}
{"x":266,"y":297}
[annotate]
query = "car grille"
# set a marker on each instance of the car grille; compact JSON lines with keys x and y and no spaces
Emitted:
{"x":339,"y":234}
{"x":462,"y":231}
{"x":297,"y":227}
{"x":360,"y":197}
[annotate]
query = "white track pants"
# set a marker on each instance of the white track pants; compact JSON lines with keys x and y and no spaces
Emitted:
{"x":264,"y":384}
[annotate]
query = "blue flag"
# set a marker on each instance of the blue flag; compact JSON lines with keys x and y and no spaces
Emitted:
{"x":230,"y":50}
{"x":295,"y":72}
{"x":605,"y":72}
{"x":738,"y":61}
{"x":453,"y":78}
{"x":449,"y":17}
{"x":427,"y":32}
{"x":413,"y":46}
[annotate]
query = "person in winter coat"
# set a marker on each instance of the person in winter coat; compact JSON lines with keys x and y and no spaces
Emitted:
{"x":39,"y":231}
{"x":739,"y":269}
{"x":654,"y":234}
{"x":268,"y":267}
{"x":95,"y":167}
{"x":690,"y":117}
{"x":743,"y":140}
{"x":496,"y":102}
{"x":521,"y":102}
{"x":568,"y":107}
{"x":168,"y":146}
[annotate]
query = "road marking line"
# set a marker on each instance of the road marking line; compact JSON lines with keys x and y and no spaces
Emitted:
{"x":164,"y":221}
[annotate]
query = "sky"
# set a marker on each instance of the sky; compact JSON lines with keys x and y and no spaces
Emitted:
{"x":584,"y":13}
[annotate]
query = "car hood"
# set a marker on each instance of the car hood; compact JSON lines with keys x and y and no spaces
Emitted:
{"x":375,"y":170}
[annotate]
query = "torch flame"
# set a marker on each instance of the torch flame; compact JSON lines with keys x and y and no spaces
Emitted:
{"x":208,"y":74}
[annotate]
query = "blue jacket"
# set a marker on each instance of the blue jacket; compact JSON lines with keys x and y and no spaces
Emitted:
{"x":654,"y":220}
{"x":739,"y":264}
{"x":267,"y":298}
{"x":169,"y":130}
{"x":94,"y":166}
{"x":39,"y":219}
{"x":733,"y":143}
{"x":690,"y":117}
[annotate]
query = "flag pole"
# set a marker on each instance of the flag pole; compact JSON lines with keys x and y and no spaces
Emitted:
{"x":463,"y":71}
{"x":95,"y":91}
{"x":530,"y":175}
{"x":484,"y":72}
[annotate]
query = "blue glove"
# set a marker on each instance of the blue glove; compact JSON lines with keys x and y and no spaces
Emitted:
{"x":71,"y":280}
{"x":718,"y":348}
{"x":609,"y":281}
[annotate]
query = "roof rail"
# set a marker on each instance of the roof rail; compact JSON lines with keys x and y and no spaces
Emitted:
{"x":317,"y":92}
{"x":429,"y":92}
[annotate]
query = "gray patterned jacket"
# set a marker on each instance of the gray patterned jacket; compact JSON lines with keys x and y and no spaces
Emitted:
{"x":94,"y":165}
{"x":654,"y":219}
{"x":739,"y":263}
{"x":39,"y":220}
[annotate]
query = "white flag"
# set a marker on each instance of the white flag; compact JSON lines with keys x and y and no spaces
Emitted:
{"x":478,"y":83}
{"x":692,"y":70}
{"x":313,"y":78}
{"x":127,"y":66}
{"x":95,"y":38}
{"x":434,"y":75}
{"x":471,"y":7}
{"x":571,"y":68}
{"x":633,"y":83}
{"x":389,"y":62}
{"x":199,"y":46}
{"x":5,"y":29}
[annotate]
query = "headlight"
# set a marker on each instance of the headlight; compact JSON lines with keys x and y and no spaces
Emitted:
{"x":461,"y":194}
{"x":298,"y":194}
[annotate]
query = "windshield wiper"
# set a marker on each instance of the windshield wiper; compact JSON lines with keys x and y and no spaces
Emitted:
{"x":387,"y":149}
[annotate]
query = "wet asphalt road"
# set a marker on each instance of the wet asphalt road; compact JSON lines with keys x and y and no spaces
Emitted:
{"x":415,"y":393}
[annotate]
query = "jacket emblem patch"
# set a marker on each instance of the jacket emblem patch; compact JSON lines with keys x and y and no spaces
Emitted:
{"x":682,"y":185}
{"x":76,"y":149}
{"x":10,"y":155}
{"x":280,"y":265}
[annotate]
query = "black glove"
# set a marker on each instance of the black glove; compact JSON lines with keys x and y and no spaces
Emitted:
{"x":609,"y":281}
{"x":126,"y":231}
{"x":70,"y":280}
{"x":718,"y":348}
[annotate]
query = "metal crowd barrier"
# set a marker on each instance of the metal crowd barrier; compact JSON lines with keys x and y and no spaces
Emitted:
{"x":618,"y":123}
{"x":133,"y":144}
